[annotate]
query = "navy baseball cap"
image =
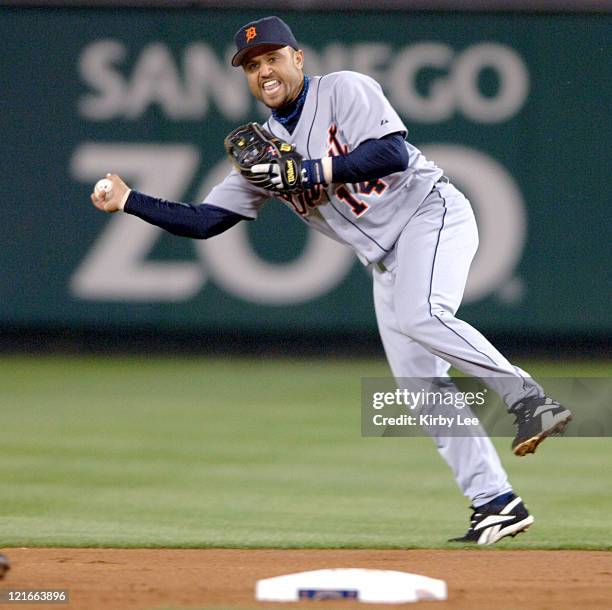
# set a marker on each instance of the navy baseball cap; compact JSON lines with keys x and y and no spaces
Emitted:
{"x":269,"y":31}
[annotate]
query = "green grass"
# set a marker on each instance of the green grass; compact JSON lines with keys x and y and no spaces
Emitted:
{"x":147,"y":452}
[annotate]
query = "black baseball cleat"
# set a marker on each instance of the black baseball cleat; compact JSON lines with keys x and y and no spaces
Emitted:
{"x":537,"y":418}
{"x":504,"y":516}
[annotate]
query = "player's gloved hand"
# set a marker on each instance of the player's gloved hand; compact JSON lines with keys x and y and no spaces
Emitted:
{"x":289,"y":175}
{"x":269,"y":162}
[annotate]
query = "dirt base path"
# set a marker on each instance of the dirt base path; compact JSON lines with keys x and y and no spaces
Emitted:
{"x":145,"y":579}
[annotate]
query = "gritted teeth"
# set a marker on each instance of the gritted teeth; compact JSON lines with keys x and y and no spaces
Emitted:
{"x":271,"y":84}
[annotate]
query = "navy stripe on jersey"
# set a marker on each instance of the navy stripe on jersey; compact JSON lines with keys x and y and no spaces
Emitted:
{"x":351,"y":222}
{"x":314,"y":116}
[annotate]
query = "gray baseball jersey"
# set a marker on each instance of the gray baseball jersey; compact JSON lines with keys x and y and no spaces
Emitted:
{"x":342,"y":110}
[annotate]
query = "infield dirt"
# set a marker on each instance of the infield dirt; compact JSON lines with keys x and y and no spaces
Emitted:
{"x":147,"y":579}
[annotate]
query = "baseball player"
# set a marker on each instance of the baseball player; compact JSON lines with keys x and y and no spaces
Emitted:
{"x":344,"y":167}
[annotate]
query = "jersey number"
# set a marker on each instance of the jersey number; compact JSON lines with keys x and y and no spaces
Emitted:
{"x":358,"y":206}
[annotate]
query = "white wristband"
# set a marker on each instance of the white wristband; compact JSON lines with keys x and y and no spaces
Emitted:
{"x":326,"y":163}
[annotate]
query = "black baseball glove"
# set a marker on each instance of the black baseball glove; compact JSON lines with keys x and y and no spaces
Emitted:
{"x":265,"y":160}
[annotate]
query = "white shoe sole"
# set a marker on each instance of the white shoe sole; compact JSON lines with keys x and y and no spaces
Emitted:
{"x":511,"y":530}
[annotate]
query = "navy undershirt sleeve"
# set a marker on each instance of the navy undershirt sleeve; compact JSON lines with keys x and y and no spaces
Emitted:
{"x":184,"y":219}
{"x":372,"y":159}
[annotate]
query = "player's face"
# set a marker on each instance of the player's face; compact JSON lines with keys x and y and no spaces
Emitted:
{"x":275,"y":78}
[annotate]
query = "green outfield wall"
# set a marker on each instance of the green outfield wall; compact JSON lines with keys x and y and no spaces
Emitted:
{"x":515,"y":108}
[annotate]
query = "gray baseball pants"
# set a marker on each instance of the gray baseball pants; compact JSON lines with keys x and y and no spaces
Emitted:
{"x":417,"y":291}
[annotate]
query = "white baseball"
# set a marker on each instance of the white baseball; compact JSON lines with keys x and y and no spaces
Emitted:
{"x":105,"y":185}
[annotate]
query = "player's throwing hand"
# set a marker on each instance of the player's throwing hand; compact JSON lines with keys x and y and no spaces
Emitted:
{"x":110,"y":198}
